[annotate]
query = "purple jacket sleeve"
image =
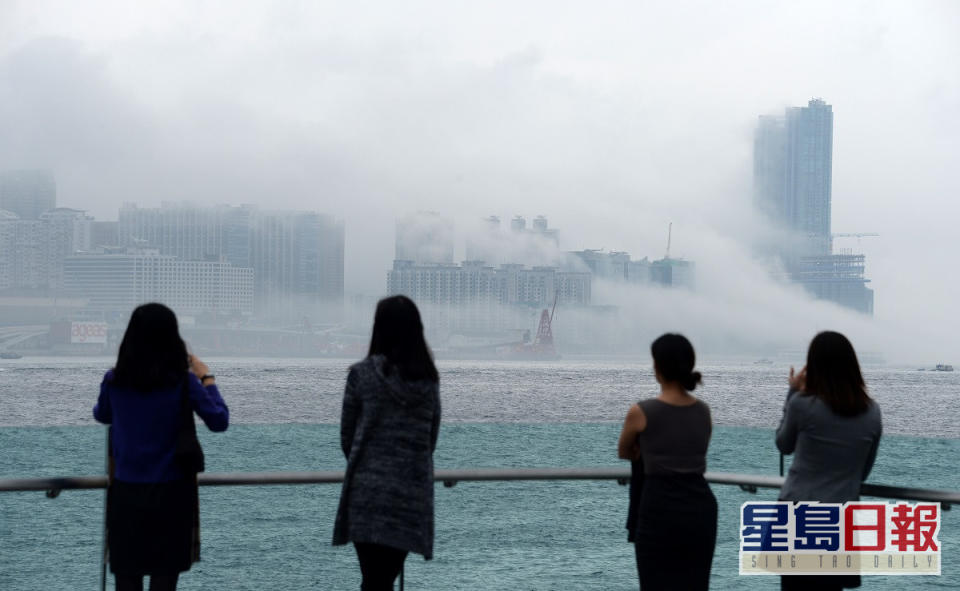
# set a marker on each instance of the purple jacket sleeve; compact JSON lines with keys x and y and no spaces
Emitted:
{"x":209,"y":405}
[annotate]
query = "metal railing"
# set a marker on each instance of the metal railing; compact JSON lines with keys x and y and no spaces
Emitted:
{"x":747,"y":482}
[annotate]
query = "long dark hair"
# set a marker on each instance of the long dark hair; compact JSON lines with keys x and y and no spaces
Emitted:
{"x":398,"y":335}
{"x":673,"y":358}
{"x":152,"y":354}
{"x":833,"y":374}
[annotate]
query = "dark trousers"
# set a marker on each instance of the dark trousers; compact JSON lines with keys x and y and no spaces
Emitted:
{"x":157,"y":582}
{"x":676,"y":530}
{"x":379,"y":565}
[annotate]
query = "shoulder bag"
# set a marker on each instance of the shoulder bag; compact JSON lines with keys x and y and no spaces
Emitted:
{"x":188,"y":454}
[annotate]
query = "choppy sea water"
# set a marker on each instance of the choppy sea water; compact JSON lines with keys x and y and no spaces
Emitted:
{"x":518,"y":535}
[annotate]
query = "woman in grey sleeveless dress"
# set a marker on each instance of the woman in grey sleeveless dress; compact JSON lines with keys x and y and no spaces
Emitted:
{"x":672,"y":519}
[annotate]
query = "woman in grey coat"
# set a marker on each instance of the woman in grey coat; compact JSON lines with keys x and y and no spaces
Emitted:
{"x":388,"y":431}
{"x":833,"y":427}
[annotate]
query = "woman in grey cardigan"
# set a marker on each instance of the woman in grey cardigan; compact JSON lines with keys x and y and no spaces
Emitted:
{"x":388,"y":431}
{"x":833,"y":428}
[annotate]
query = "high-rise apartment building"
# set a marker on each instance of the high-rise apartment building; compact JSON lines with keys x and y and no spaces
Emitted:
{"x":67,"y":232}
{"x":297,"y":257}
{"x":28,"y":193}
{"x":180,"y":230}
{"x":32,"y":251}
{"x":793,"y":172}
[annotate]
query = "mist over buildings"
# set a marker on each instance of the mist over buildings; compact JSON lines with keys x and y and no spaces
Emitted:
{"x":612,"y":122}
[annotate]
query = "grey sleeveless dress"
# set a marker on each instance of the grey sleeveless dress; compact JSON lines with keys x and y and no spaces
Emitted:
{"x":673,"y":513}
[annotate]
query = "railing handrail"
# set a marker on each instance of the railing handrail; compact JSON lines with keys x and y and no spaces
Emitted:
{"x":748,"y":482}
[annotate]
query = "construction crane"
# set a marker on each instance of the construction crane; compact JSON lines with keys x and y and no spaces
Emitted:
{"x":857,"y":235}
{"x":669,"y":236}
{"x":545,"y":330}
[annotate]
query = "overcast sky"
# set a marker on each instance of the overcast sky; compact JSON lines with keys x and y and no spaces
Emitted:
{"x":610,"y":118}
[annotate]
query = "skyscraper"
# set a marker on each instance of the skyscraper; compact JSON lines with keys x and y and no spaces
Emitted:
{"x":793,"y":170}
{"x":28,"y":193}
{"x":793,"y":173}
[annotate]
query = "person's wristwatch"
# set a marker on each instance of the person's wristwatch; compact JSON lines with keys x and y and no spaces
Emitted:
{"x":207,"y":376}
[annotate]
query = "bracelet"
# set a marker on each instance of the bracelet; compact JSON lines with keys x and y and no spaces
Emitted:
{"x":207,"y":376}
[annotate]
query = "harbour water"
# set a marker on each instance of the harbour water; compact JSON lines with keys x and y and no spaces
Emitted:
{"x":516,"y":535}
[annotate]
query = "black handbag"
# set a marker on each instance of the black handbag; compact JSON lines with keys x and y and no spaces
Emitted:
{"x":188,"y":454}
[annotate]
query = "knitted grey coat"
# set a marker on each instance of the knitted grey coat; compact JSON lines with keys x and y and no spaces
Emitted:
{"x":388,"y":431}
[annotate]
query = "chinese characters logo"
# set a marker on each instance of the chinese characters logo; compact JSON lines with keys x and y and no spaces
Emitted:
{"x":782,"y":538}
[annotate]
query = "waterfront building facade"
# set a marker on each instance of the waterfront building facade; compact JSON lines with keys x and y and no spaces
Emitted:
{"x":480,"y":298}
{"x":116,"y":283}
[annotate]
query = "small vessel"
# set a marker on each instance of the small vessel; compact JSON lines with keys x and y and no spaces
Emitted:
{"x":11,"y":355}
{"x":943,"y":367}
{"x":763,"y":361}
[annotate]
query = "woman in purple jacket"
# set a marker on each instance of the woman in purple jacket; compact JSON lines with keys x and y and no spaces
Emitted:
{"x":152,"y":515}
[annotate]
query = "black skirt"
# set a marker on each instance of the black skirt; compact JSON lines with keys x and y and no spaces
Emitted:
{"x":153,"y":528}
{"x":675,"y":531}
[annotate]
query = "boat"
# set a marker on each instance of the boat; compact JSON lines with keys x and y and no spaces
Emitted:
{"x":10,"y":355}
{"x":943,"y":367}
{"x":763,"y":361}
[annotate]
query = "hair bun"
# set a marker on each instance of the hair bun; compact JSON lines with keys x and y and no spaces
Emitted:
{"x":691,"y":382}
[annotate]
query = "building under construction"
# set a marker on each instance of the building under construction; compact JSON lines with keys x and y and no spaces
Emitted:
{"x":838,"y":278}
